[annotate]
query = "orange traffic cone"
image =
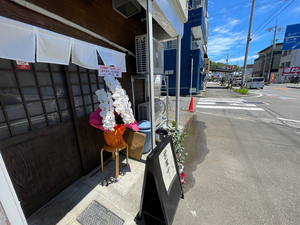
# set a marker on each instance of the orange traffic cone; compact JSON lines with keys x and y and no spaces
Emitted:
{"x":191,"y":108}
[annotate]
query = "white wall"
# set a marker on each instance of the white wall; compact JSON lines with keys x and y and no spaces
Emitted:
{"x":8,"y":198}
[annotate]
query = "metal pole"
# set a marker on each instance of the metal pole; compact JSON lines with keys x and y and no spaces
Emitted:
{"x":133,"y":98}
{"x":247,"y":47}
{"x":264,"y":67}
{"x":191,"y":77}
{"x":274,"y":45}
{"x":167,"y":92}
{"x":150,"y":71}
{"x":178,"y":57}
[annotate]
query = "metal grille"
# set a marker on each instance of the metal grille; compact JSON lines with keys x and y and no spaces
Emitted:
{"x":141,"y":54}
{"x":32,"y":99}
{"x":84,"y":84}
{"x":96,"y":213}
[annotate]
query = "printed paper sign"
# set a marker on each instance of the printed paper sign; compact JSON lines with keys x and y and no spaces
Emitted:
{"x":167,"y":166}
{"x":291,"y":71}
{"x":23,"y":65}
{"x":106,"y":70}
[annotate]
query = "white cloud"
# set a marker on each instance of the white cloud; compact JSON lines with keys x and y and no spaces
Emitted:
{"x":241,"y":58}
{"x":264,"y":8}
{"x":219,"y":44}
{"x":297,"y":9}
{"x":227,"y":27}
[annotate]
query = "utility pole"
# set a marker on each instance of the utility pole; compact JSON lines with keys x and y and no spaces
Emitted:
{"x":227,"y":58}
{"x":227,"y":62}
{"x":274,"y":46}
{"x":247,"y":46}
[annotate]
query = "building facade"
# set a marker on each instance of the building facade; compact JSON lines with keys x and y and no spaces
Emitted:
{"x":46,"y":140}
{"x":193,"y":51}
{"x":264,"y":61}
{"x":289,"y":58}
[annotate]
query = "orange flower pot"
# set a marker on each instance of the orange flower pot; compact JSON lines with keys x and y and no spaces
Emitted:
{"x":114,"y":138}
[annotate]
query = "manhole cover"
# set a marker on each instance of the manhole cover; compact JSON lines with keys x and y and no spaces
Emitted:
{"x":96,"y":213}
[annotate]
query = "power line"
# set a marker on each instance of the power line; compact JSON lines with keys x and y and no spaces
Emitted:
{"x":293,"y":16}
{"x":271,"y":14}
{"x":273,"y":19}
{"x":245,"y":7}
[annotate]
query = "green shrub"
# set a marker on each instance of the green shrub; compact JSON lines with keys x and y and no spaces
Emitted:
{"x":242,"y":91}
{"x":178,"y":140}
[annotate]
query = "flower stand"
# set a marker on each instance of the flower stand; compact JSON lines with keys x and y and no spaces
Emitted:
{"x":115,"y":155}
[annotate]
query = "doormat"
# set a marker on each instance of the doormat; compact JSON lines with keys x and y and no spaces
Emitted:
{"x":96,"y":213}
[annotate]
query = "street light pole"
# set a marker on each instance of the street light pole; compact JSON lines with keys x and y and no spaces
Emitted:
{"x":264,"y":62}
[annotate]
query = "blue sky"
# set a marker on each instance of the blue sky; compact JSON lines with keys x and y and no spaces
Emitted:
{"x":229,"y":23}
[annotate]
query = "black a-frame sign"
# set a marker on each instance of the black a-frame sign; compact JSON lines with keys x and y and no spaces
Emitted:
{"x":162,"y":187}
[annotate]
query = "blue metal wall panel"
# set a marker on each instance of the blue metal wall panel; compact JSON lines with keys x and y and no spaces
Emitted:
{"x":196,"y":18}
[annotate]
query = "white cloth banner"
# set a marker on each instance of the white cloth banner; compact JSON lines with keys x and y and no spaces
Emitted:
{"x":84,"y":55}
{"x":17,"y":41}
{"x":53,"y":48}
{"x":107,"y":56}
{"x":20,"y":41}
{"x":120,"y":60}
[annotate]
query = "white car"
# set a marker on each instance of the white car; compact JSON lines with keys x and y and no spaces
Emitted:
{"x":237,"y":82}
{"x":255,"y":82}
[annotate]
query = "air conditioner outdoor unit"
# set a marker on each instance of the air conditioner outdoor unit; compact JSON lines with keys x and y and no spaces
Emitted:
{"x":142,"y":54}
{"x":144,"y":111}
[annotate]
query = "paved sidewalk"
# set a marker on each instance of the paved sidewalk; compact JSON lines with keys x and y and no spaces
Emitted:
{"x":122,"y":197}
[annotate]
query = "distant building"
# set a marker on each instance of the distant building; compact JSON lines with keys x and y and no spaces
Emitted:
{"x":289,"y":58}
{"x":262,"y":63}
{"x":193,"y":49}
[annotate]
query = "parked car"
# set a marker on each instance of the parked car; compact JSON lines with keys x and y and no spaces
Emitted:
{"x":237,"y":82}
{"x":255,"y":82}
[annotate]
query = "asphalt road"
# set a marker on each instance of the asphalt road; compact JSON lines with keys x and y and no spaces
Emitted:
{"x":243,"y":163}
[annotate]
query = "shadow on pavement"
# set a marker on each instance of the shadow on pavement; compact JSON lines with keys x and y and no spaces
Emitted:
{"x":216,"y":87}
{"x":196,"y":146}
{"x":298,"y":87}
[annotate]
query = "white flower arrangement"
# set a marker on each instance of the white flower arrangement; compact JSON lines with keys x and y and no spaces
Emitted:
{"x":113,"y":100}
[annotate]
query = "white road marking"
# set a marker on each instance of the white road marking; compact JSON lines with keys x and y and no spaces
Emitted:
{"x":249,"y":105}
{"x":286,"y":98}
{"x":207,"y":103}
{"x":228,"y":107}
{"x":221,"y":99}
{"x":296,"y":121}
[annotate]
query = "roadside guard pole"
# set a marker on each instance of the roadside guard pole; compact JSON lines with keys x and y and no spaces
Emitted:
{"x":150,"y":71}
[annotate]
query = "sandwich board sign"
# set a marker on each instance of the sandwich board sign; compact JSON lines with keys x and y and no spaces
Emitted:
{"x":162,"y":188}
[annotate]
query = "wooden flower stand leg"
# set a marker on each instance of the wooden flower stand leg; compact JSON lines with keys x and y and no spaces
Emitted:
{"x":115,"y":155}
